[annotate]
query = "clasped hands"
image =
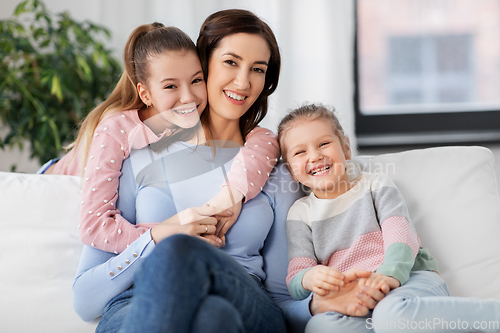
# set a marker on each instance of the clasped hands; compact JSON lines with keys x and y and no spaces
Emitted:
{"x":209,"y":222}
{"x":352,"y":293}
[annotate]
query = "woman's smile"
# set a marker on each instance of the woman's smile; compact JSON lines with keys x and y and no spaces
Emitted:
{"x":237,"y":73}
{"x":235,"y":98}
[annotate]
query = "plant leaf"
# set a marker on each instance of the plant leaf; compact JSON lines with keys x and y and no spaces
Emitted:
{"x":55,"y":88}
{"x":21,"y":8}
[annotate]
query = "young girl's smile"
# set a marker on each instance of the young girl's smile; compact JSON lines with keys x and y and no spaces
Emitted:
{"x":316,"y":157}
{"x":176,"y":90}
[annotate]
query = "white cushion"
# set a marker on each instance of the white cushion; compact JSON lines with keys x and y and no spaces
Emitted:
{"x":39,"y":253}
{"x":452,"y":198}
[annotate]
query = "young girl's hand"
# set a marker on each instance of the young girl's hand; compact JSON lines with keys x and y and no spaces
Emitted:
{"x":381,"y":282}
{"x":229,"y":199}
{"x":322,"y":279}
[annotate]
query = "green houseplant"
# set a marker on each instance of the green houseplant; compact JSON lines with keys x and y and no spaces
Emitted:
{"x":53,"y":71}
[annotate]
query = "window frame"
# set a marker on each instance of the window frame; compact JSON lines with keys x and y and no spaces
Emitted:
{"x":431,"y":128}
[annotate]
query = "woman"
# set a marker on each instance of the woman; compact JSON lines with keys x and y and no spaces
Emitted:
{"x":243,"y":69}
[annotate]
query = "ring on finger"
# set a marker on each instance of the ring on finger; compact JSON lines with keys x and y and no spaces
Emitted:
{"x":206,"y":228}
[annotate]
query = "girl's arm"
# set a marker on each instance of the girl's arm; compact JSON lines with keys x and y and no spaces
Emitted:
{"x":101,"y":224}
{"x":249,"y":172}
{"x":301,"y":252}
{"x":401,"y":242}
{"x":252,"y":166}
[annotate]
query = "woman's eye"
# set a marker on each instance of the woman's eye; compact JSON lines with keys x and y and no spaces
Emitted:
{"x":230,"y":62}
{"x":197,"y":80}
{"x":259,"y":70}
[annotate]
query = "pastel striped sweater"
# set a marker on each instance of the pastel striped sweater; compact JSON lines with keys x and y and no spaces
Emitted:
{"x":101,"y":223}
{"x":367,"y":227}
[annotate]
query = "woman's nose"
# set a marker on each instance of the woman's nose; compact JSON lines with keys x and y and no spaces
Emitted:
{"x":242,"y":79}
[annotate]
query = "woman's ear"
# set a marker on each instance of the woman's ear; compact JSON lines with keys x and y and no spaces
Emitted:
{"x":143,"y":94}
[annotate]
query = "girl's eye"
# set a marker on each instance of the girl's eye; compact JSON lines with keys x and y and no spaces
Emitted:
{"x":298,"y":153}
{"x":197,"y":80}
{"x":324,"y":144}
{"x":170,"y":86}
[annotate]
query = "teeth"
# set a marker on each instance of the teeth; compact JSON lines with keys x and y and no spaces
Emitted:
{"x":323,"y":169}
{"x":184,"y":111}
{"x":234,"y":96}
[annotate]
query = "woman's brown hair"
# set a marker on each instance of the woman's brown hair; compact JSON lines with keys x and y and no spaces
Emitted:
{"x":229,"y":22}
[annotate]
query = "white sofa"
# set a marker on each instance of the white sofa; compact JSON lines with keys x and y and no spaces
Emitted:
{"x":451,"y":193}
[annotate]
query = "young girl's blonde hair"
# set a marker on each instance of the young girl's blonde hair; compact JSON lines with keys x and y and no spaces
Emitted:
{"x":144,"y":43}
{"x":310,"y":112}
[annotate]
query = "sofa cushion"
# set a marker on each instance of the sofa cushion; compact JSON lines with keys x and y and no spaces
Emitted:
{"x":39,"y":253}
{"x":452,"y":197}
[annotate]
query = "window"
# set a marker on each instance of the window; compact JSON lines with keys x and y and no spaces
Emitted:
{"x":427,"y":71}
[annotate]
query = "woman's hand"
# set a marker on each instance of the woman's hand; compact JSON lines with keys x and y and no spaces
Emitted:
{"x":353,"y":299}
{"x":228,"y":203}
{"x":195,"y":221}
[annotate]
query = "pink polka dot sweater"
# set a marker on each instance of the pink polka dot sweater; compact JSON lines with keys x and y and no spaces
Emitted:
{"x":367,"y":227}
{"x":101,"y":224}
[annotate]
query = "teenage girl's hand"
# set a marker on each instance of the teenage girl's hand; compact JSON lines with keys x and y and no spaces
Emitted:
{"x":322,"y":279}
{"x":381,"y":282}
{"x":228,"y":202}
{"x":196,"y":221}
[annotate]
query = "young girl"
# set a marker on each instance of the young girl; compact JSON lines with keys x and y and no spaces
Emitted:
{"x":362,"y":223}
{"x":154,"y":103}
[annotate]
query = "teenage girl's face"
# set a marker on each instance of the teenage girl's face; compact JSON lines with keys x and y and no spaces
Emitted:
{"x":175,"y":89}
{"x":236,"y":75}
{"x":316,"y":157}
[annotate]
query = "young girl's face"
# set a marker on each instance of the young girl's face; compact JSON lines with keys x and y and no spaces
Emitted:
{"x":175,"y":89}
{"x":236,"y":74}
{"x":316,"y":157}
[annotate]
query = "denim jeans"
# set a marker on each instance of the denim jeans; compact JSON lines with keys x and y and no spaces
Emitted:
{"x":422,"y":304}
{"x":187,"y":285}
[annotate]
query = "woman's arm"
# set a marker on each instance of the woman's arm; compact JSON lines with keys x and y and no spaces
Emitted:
{"x":103,"y":275}
{"x":282,"y":192}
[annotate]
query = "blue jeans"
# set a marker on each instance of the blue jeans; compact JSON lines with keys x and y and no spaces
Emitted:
{"x":422,"y":304}
{"x":187,"y":285}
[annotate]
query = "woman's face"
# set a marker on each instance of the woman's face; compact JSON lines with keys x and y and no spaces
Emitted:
{"x":176,"y":90}
{"x":236,"y":75}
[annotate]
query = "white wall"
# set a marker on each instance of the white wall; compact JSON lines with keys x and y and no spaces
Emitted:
{"x":315,"y":39}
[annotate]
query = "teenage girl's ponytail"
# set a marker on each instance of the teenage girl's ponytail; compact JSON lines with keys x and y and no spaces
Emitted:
{"x":144,"y":42}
